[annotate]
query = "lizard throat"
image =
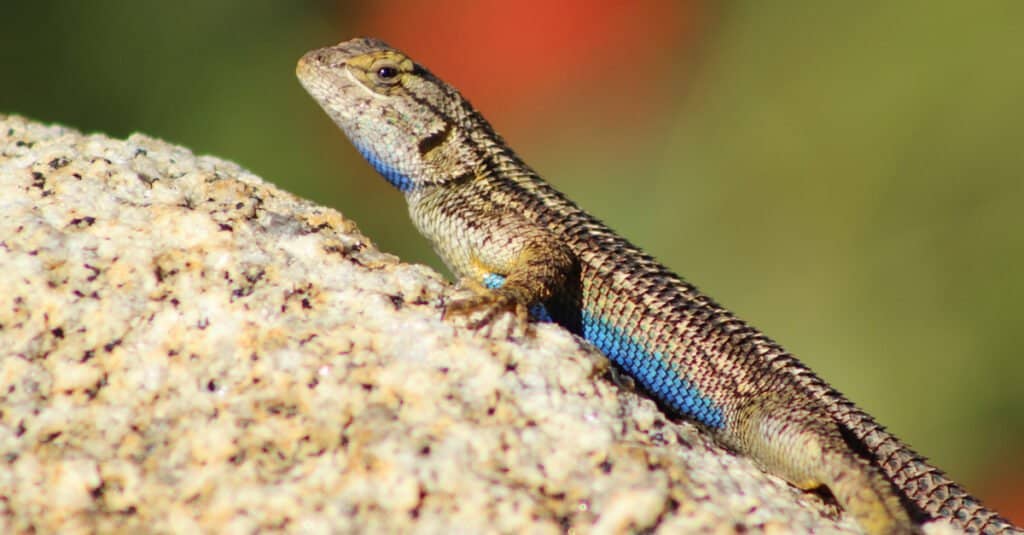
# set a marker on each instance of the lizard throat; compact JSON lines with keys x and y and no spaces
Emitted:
{"x":388,"y":171}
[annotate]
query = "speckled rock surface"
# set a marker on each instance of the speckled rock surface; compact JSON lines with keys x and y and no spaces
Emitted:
{"x":185,"y":348}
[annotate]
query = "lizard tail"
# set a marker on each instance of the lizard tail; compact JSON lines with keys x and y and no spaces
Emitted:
{"x":921,"y":483}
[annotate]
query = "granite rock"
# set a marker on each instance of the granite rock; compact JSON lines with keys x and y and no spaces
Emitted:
{"x":186,"y":348}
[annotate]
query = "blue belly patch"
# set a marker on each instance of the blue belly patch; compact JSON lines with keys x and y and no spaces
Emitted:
{"x":652,"y":371}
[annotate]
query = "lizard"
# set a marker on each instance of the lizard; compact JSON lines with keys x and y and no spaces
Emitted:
{"x":524,"y":248}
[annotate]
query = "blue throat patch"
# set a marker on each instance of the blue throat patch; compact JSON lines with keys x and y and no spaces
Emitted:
{"x":393,"y":175}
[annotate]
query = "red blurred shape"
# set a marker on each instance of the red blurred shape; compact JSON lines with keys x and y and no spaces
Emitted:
{"x":506,"y":56}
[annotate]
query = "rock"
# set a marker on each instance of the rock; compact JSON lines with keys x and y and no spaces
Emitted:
{"x":185,"y":347}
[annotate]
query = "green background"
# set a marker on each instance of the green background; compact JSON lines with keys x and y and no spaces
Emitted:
{"x":847,"y":178}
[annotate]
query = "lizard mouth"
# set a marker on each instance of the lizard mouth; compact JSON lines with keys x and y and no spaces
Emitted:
{"x":322,"y":73}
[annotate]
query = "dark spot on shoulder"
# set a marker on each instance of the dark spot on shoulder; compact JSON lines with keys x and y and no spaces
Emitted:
{"x":436,"y":139}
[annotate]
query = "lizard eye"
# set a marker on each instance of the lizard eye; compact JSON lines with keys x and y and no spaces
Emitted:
{"x":386,"y":73}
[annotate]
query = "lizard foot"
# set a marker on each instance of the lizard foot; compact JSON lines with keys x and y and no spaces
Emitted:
{"x":483,"y":309}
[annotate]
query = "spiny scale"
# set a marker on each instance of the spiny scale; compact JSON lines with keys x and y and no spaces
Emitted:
{"x":523,"y":244}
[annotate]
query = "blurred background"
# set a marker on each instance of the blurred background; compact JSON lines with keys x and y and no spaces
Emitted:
{"x":849,"y":178}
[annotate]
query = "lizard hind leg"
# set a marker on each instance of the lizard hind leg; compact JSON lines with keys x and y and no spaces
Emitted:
{"x":864,"y":493}
{"x":799,"y":446}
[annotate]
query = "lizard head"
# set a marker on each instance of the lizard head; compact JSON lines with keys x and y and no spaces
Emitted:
{"x":411,"y":126}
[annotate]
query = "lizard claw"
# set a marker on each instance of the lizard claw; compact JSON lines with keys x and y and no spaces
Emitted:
{"x":484,"y":308}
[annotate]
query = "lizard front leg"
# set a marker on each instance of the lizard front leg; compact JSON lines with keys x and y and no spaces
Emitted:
{"x":511,"y":265}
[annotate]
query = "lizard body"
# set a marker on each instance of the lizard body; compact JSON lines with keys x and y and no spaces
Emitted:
{"x":520,"y":244}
